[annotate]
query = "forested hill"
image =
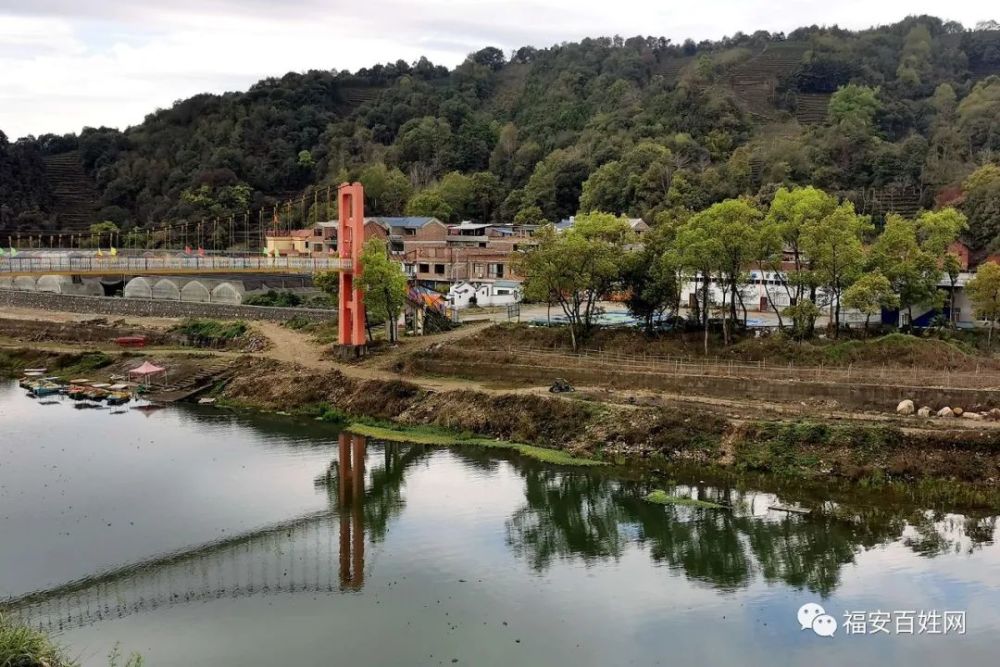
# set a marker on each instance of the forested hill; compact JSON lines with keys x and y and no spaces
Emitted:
{"x":895,"y":118}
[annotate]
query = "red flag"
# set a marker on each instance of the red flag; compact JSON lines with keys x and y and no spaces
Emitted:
{"x":187,"y":250}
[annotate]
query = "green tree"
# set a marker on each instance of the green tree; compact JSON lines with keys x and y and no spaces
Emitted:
{"x":384,"y":285}
{"x":429,"y":203}
{"x":836,"y":254}
{"x":650,"y":278}
{"x":101,"y":234}
{"x":793,"y":223}
{"x":635,"y":185}
{"x":576,"y":267}
{"x":979,"y":116}
{"x":853,"y":105}
{"x":327,"y":282}
{"x":909,"y":253}
{"x":981,"y":205}
{"x":556,"y":183}
{"x":386,"y":190}
{"x":870,"y":294}
{"x":984,"y":292}
{"x":720,"y":242}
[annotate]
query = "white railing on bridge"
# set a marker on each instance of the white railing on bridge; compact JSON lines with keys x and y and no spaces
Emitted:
{"x":42,"y":263}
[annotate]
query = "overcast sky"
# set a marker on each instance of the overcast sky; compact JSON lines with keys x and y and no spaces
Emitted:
{"x":66,"y":64}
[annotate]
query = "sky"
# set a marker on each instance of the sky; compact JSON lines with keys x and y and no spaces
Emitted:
{"x":67,"y":64}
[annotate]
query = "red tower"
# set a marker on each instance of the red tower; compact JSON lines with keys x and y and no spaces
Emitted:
{"x":350,"y":239}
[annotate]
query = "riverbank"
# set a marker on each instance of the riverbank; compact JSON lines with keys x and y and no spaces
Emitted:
{"x":865,"y":452}
{"x":815,"y":444}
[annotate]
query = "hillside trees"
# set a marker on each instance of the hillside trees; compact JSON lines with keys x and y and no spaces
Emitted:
{"x":634,"y":126}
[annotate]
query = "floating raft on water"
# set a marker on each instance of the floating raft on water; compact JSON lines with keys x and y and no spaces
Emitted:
{"x":789,"y":508}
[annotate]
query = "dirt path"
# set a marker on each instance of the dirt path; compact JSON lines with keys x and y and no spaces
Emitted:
{"x":291,"y":346}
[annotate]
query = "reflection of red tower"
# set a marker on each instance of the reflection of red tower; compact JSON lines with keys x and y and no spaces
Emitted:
{"x":351,"y":491}
{"x":350,"y":239}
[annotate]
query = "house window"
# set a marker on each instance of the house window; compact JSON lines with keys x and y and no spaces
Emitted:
{"x":409,"y":232}
{"x":425,"y":268}
{"x":503,"y":292}
{"x":496,"y":270}
{"x":396,"y":246}
{"x":439,"y":269}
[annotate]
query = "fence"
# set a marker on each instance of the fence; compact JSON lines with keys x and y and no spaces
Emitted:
{"x":646,"y":363}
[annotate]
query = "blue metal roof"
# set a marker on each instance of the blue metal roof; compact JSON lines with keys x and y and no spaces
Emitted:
{"x":404,"y":222}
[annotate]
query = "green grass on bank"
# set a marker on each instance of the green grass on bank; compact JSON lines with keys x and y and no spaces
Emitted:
{"x":426,"y":435}
{"x":661,"y":497}
{"x":22,"y":646}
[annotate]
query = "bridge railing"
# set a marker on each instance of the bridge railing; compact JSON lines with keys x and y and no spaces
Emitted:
{"x":54,"y":263}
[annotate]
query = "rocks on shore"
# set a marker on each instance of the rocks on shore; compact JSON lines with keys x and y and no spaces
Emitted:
{"x":906,"y":407}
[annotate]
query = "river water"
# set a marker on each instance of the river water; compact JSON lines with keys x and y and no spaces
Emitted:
{"x":200,"y":536}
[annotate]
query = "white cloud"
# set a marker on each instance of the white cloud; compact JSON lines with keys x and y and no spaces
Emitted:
{"x":66,"y":64}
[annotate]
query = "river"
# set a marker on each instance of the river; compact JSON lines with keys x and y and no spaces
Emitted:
{"x":201,"y":536}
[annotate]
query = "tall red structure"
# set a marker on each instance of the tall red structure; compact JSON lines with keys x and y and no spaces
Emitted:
{"x":350,"y":239}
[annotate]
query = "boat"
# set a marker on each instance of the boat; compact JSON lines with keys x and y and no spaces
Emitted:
{"x":118,"y":398}
{"x":46,"y":388}
{"x":95,"y":394}
{"x":77,"y":392}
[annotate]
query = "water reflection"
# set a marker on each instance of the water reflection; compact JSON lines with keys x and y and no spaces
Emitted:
{"x":293,"y":556}
{"x":564,"y":515}
{"x":594,"y":518}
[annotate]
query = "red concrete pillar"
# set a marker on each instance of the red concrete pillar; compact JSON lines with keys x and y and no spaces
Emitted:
{"x":350,"y":239}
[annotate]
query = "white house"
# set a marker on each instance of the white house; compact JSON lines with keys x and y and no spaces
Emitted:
{"x":497,"y":293}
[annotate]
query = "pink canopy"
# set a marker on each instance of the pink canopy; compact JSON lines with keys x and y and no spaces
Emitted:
{"x":147,"y":369}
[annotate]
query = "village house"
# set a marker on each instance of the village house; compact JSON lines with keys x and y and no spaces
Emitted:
{"x":473,"y":262}
{"x":764,"y":290}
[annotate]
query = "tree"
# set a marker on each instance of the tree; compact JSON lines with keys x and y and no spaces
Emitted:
{"x":981,"y":205}
{"x":384,"y":285}
{"x":636,"y":185}
{"x":720,"y":241}
{"x":429,"y":203}
{"x":854,"y":105}
{"x":870,"y":294}
{"x":386,"y":190}
{"x":792,"y":223}
{"x":979,"y":116}
{"x":833,"y":245}
{"x":576,"y":267}
{"x":650,"y":278}
{"x":555,"y":184}
{"x":327,"y":282}
{"x":909,"y":254}
{"x":984,"y":292}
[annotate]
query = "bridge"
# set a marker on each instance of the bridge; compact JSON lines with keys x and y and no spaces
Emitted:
{"x":66,"y":263}
{"x":351,"y":234}
{"x":319,"y":552}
